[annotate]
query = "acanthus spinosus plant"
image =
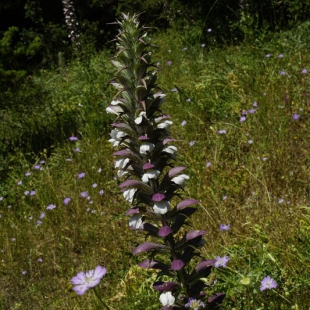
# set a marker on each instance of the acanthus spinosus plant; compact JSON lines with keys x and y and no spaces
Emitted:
{"x":145,"y":158}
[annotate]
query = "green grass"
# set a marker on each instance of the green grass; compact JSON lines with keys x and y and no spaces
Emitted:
{"x":268,"y":236}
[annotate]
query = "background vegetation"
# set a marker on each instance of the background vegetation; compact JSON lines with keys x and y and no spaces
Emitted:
{"x":219,"y":60}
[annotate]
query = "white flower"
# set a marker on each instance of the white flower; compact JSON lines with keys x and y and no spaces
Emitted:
{"x":139,"y":119}
{"x":135,"y":221}
{"x":165,"y":124}
{"x":161,"y":96}
{"x":146,"y":148}
{"x":121,"y":173}
{"x":129,"y":193}
{"x":180,"y":179}
{"x":171,"y":150}
{"x":161,"y":207}
{"x":121,"y":163}
{"x":167,"y":299}
{"x":114,"y":109}
{"x":116,"y":136}
{"x":150,"y":174}
{"x":115,"y":102}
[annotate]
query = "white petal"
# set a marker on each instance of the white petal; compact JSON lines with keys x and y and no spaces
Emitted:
{"x":139,"y":119}
{"x":135,"y":221}
{"x":161,"y":207}
{"x":170,"y":149}
{"x":115,"y":102}
{"x":129,"y":193}
{"x":121,"y":163}
{"x":164,"y":124}
{"x":167,"y":299}
{"x":180,"y":179}
{"x":145,"y":178}
{"x":121,"y":173}
{"x":146,"y":148}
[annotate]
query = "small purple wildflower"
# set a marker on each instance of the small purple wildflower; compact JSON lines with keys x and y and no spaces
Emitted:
{"x":203,"y":45}
{"x":20,"y":182}
{"x":84,"y":194}
{"x":268,"y":55}
{"x":264,"y":158}
{"x":183,"y":123}
{"x":67,"y":200}
{"x":84,"y":281}
{"x":37,"y":167}
{"x":282,"y":72}
{"x":224,"y":227}
{"x":95,"y":185}
{"x":99,"y":170}
{"x":32,"y":193}
{"x":1,"y":198}
{"x":42,"y":162}
{"x":42,"y":215}
{"x":192,"y":143}
{"x":50,"y":207}
{"x":221,"y":261}
{"x":26,"y":193}
{"x":81,"y":175}
{"x":77,"y":150}
{"x":101,"y":192}
{"x":208,"y":164}
{"x":188,"y":100}
{"x":280,"y":56}
{"x":184,"y":49}
{"x":222,"y":132}
{"x":296,"y":116}
{"x":209,"y":29}
{"x":194,"y":304}
{"x":174,"y":90}
{"x":252,"y":111}
{"x":27,"y":174}
{"x":24,"y":272}
{"x":39,"y":223}
{"x":69,"y":159}
{"x":39,"y":260}
{"x":224,"y":198}
{"x":254,"y":104}
{"x":242,"y":119}
{"x":13,"y":239}
{"x":72,"y":138}
{"x":268,"y":283}
{"x":169,"y":63}
{"x":250,"y":141}
{"x":304,"y":71}
{"x":280,"y":200}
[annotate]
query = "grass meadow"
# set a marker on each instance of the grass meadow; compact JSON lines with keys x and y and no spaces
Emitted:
{"x":241,"y":123}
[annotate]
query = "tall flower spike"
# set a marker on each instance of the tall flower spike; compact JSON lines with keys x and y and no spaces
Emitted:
{"x":145,"y":156}
{"x":71,"y":21}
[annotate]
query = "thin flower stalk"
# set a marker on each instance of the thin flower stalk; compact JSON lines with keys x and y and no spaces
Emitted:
{"x":153,"y":185}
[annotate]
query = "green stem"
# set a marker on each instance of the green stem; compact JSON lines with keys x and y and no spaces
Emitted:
{"x":101,"y":301}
